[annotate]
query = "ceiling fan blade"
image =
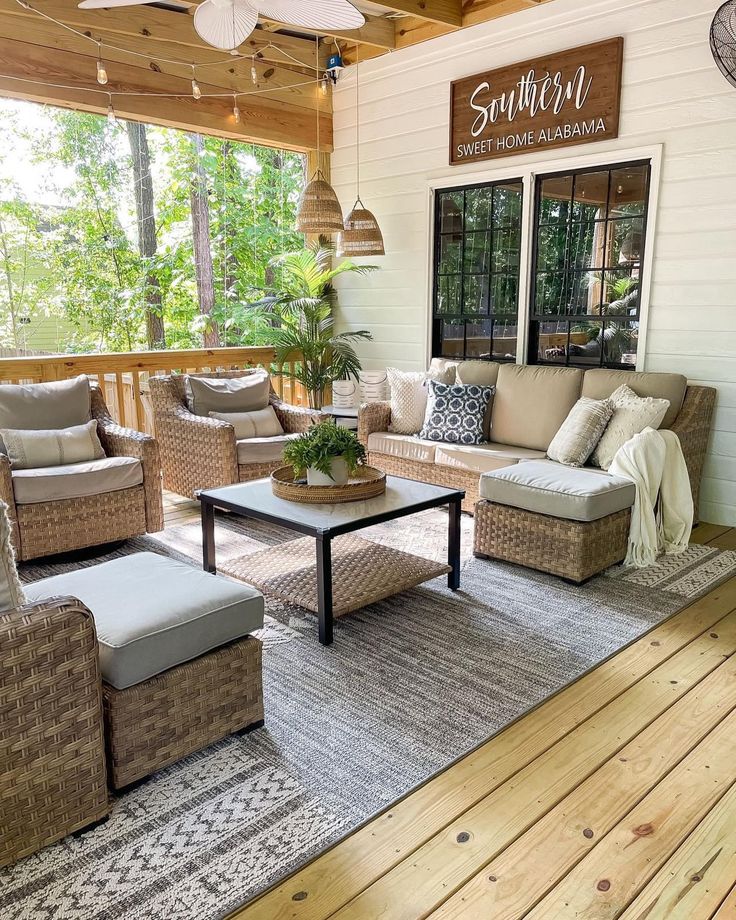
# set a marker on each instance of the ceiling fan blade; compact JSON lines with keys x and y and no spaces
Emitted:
{"x":109,"y":4}
{"x":225,"y":23}
{"x":321,"y":15}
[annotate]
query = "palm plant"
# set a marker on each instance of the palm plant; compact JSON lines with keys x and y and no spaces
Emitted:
{"x":304,"y":305}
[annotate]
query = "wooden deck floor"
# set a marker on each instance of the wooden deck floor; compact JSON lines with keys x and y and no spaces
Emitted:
{"x":614,"y":799}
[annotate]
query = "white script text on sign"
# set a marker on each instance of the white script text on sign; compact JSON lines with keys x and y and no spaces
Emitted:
{"x":567,"y":98}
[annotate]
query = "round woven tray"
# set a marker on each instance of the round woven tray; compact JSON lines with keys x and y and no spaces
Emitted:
{"x":366,"y":482}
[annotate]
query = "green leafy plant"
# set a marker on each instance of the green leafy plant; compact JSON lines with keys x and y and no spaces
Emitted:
{"x":319,"y":446}
{"x":304,"y":301}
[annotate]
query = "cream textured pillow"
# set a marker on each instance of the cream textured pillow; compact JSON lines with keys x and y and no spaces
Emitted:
{"x":408,"y":400}
{"x":11,"y":592}
{"x":631,"y":415}
{"x":581,"y":431}
{"x":263,"y":423}
{"x":31,"y":450}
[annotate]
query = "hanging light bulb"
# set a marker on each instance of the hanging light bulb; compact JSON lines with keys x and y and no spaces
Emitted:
{"x":101,"y":72}
{"x":236,"y":110}
{"x":323,"y":86}
{"x":196,"y":91}
{"x":111,"y":119}
{"x":254,"y":72}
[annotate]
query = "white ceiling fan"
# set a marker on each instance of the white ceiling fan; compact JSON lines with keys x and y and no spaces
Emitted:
{"x":227,"y":23}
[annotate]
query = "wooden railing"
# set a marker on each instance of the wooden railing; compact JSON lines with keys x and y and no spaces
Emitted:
{"x":124,"y":375}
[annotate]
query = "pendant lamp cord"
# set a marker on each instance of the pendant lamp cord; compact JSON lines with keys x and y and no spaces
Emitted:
{"x":316,"y":72}
{"x":357,"y":120}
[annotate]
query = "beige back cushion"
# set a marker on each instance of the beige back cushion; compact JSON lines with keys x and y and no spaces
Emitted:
{"x":532,"y":402}
{"x":443,"y":370}
{"x":600,"y":384}
{"x":483,"y":374}
{"x":227,"y":394}
{"x":53,"y":405}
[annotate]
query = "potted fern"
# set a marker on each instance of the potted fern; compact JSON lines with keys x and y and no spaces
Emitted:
{"x":327,"y":454}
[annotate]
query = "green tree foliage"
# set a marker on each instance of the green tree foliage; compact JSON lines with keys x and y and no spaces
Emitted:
{"x":79,"y":257}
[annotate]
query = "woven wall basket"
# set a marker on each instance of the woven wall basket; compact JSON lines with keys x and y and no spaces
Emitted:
{"x":319,"y":210}
{"x":366,"y":482}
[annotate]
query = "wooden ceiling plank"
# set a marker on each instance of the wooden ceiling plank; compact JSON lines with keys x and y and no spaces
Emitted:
{"x":264,"y":121}
{"x":411,"y":31}
{"x":484,"y":10}
{"x":233,"y":75}
{"x":447,"y":12}
{"x":164,"y":25}
{"x":376,"y":31}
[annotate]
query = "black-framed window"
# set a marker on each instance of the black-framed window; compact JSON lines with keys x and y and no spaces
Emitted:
{"x":477,"y":245}
{"x":588,"y":250}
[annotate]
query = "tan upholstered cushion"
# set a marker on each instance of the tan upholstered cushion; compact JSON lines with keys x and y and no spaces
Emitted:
{"x":560,"y":491}
{"x":77,"y":480}
{"x":581,"y":431}
{"x":481,"y":458}
{"x":262,"y":450}
{"x":227,"y":394}
{"x":57,"y":404}
{"x":152,"y":613}
{"x":11,"y":591}
{"x":484,"y":373}
{"x":442,"y":370}
{"x":408,"y":400}
{"x":532,"y":402}
{"x":262,"y":423}
{"x":599,"y":384}
{"x":403,"y":446}
{"x":631,"y":414}
{"x":34,"y":449}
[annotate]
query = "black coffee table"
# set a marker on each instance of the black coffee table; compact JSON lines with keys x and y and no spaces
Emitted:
{"x":358,"y":572}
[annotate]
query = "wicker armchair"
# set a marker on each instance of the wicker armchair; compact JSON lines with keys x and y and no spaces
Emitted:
{"x":198,"y":452}
{"x":53,"y":777}
{"x":48,"y":527}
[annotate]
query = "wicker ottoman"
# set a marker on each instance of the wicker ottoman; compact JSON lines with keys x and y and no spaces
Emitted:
{"x":180,"y":669}
{"x":566,"y":521}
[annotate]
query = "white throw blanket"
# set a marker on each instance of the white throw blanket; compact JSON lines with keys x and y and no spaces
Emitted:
{"x":662,"y":516}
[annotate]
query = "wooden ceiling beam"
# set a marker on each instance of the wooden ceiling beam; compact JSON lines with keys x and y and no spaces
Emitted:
{"x":483,"y":10}
{"x":377,"y":32}
{"x":447,"y":12}
{"x":264,"y":120}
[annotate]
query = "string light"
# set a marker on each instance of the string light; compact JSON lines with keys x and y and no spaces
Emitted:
{"x":254,"y":72}
{"x":323,"y":86}
{"x":196,"y":91}
{"x":111,"y":119}
{"x":236,"y":110}
{"x":101,"y":72}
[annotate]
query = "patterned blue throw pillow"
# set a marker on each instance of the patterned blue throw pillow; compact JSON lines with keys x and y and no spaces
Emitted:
{"x":455,"y":413}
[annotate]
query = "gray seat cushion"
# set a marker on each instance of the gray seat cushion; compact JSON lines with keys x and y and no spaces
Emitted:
{"x":153,"y":613}
{"x":403,"y":446}
{"x":546,"y":487}
{"x":263,"y":450}
{"x":76,"y":480}
{"x":480,"y":458}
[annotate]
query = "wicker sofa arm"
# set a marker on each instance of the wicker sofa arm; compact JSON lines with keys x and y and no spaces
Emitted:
{"x":296,"y":418}
{"x":51,"y":695}
{"x":692,"y":427}
{"x":7,"y":496}
{"x":373,"y":417}
{"x":126,"y":442}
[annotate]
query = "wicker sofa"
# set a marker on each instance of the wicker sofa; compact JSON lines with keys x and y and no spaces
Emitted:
{"x":529,"y":406}
{"x":59,"y":509}
{"x":198,"y":452}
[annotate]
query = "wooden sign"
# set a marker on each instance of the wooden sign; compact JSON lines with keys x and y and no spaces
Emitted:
{"x":572,"y":97}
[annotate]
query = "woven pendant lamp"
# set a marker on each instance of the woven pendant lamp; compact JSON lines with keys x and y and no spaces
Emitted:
{"x":361,"y":235}
{"x":319,"y":209}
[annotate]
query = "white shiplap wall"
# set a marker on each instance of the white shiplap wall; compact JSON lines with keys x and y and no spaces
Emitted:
{"x":673,"y":96}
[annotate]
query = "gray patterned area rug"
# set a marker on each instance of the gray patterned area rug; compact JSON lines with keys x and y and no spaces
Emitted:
{"x":409,"y":685}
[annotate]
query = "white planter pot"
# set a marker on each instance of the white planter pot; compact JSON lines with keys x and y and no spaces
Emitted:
{"x":339,"y":471}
